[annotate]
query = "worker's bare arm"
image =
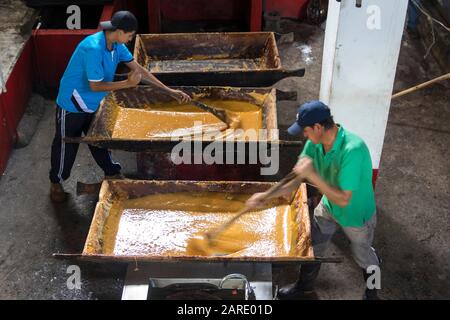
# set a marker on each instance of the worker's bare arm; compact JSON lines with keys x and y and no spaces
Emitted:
{"x":258,"y":199}
{"x":178,"y":95}
{"x":147,"y":75}
{"x":133,"y":79}
{"x":335,"y":195}
{"x":306,"y":170}
{"x":108,"y":86}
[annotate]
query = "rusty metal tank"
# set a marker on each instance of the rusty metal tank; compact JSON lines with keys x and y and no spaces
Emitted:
{"x":237,"y":59}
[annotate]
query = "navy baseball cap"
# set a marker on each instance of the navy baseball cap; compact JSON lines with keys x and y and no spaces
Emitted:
{"x":123,"y":20}
{"x":308,"y":114}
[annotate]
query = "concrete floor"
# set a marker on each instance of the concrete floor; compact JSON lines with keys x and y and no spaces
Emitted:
{"x":413,"y":197}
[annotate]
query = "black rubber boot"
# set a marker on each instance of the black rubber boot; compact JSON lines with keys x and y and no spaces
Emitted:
{"x":369,"y":294}
{"x":304,"y":284}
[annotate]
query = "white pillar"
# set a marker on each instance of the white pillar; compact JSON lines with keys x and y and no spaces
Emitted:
{"x":359,"y":61}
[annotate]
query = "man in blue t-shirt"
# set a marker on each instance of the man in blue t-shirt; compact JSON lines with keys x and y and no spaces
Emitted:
{"x":86,"y":81}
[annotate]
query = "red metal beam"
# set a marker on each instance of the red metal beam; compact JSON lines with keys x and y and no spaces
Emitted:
{"x":19,"y":86}
{"x":6,"y":142}
{"x":287,"y":8}
{"x":255,"y":15}
{"x":204,"y":10}
{"x":154,"y":16}
{"x":14,"y":101}
{"x":374,"y":177}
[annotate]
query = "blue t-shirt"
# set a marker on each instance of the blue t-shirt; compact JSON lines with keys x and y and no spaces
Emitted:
{"x":91,"y":61}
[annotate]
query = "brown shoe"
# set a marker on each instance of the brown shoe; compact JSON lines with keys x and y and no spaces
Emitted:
{"x":57,"y":193}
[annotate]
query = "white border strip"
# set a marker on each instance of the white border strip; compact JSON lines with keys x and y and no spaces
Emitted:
{"x":81,"y":102}
{"x":63,"y":144}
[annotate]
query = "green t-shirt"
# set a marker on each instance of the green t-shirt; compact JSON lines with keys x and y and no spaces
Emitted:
{"x":348,"y":167}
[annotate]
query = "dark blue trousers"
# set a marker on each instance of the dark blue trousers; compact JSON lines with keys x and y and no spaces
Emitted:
{"x":70,"y":124}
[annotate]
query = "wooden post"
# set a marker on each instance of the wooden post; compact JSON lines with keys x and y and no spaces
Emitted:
{"x":422,"y":85}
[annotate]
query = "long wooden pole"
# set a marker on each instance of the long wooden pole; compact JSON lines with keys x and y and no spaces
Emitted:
{"x":422,"y":85}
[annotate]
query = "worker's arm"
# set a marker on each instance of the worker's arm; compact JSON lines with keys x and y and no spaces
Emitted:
{"x":133,"y":80}
{"x":306,"y":170}
{"x":178,"y":95}
{"x":258,"y":199}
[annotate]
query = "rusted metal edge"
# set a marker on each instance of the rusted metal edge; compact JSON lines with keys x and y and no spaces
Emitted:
{"x":243,"y":79}
{"x":283,"y":260}
{"x":164,"y":145}
{"x":110,"y":188}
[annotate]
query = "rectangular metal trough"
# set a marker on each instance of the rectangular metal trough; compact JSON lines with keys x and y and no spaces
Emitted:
{"x":119,"y":190}
{"x":237,"y":59}
{"x":100,"y":133}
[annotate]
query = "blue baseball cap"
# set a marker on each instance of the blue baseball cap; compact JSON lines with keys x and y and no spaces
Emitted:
{"x":308,"y":114}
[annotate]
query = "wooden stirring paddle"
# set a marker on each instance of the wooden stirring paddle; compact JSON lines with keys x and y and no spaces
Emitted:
{"x":204,"y":243}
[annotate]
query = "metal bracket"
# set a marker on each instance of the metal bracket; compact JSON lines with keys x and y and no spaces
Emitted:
{"x":358,"y":3}
{"x":257,"y":283}
{"x":281,"y":38}
{"x":248,"y":289}
{"x":286,"y":95}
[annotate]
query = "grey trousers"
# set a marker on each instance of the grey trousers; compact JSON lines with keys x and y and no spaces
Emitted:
{"x":324,"y":226}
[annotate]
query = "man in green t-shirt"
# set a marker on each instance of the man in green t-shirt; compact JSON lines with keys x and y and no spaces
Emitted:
{"x":338,"y":163}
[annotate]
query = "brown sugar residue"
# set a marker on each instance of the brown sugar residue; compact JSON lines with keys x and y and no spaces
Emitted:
{"x":162,"y":224}
{"x":165,"y":120}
